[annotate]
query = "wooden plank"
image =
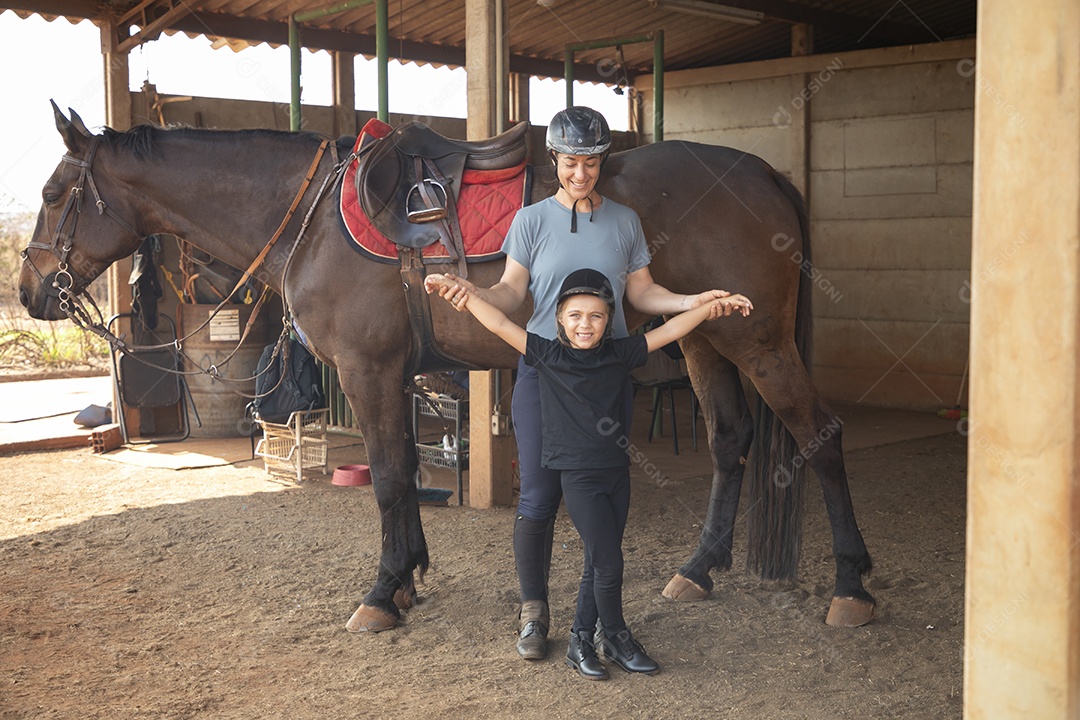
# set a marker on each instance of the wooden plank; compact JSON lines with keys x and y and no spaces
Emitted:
{"x":1022,"y":627}
{"x":905,"y":55}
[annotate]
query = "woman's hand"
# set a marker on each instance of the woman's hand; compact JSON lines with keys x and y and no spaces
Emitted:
{"x":731,"y":303}
{"x":689,"y":302}
{"x":723,"y":303}
{"x":450,"y":288}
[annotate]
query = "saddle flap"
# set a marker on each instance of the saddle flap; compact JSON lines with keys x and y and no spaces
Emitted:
{"x":385,"y":184}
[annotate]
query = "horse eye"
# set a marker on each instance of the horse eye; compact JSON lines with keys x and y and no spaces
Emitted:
{"x":50,"y":198}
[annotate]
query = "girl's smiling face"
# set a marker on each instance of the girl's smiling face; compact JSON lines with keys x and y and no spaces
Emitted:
{"x":584,"y":319}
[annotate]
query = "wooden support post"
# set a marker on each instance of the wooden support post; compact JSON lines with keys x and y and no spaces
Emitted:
{"x":519,"y":98}
{"x":118,"y":117}
{"x":802,"y":44}
{"x":344,"y":88}
{"x":490,"y":456}
{"x":1022,"y":626}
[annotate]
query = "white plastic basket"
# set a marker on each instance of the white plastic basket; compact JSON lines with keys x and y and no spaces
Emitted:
{"x":297,"y":448}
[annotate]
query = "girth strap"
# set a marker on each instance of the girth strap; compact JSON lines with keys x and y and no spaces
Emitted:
{"x":427,"y":356}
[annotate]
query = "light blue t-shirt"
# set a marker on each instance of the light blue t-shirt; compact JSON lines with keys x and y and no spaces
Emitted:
{"x":540,"y":239}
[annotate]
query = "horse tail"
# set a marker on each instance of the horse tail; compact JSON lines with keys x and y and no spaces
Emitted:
{"x":776,"y":469}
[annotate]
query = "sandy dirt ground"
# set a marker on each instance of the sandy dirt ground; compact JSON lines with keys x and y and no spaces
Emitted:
{"x":223,"y":593}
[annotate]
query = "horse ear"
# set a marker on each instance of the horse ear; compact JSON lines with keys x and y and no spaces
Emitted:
{"x":75,"y":136}
{"x":79,"y":124}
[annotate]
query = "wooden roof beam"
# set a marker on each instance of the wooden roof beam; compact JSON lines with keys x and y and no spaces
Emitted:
{"x":151,"y":17}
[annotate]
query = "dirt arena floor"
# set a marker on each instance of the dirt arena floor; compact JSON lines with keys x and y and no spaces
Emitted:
{"x":222,"y":593}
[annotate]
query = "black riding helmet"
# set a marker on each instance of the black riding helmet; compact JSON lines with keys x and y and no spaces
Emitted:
{"x":578,"y":130}
{"x":586,"y":282}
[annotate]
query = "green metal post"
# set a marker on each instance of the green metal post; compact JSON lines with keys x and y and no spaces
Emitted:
{"x":609,"y":42}
{"x":382,"y":56}
{"x":656,"y":37}
{"x":294,"y":74}
{"x":568,"y":75}
{"x":658,"y":86}
{"x":294,"y":51}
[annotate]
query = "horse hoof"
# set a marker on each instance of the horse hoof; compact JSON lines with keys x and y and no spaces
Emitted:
{"x":849,"y":612}
{"x":683,"y":590}
{"x":405,"y":597}
{"x":370,"y":619}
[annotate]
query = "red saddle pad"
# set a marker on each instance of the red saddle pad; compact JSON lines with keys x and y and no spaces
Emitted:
{"x":486,"y":205}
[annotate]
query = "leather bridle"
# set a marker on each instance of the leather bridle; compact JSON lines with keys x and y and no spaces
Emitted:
{"x":71,"y":294}
{"x":64,"y":287}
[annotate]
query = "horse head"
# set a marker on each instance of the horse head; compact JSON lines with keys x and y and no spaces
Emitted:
{"x":78,"y":234}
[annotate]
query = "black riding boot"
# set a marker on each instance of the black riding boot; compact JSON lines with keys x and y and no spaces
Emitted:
{"x":626,"y":652}
{"x":581,"y":655}
{"x":532,"y":554}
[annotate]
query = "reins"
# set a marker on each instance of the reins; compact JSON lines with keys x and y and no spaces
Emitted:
{"x":70,"y":296}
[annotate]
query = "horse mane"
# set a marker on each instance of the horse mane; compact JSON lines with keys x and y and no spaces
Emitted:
{"x":141,"y":140}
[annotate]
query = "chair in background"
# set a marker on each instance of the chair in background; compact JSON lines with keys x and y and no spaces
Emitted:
{"x":663,"y":374}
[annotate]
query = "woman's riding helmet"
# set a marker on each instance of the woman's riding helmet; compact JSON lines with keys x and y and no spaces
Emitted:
{"x":578,"y":130}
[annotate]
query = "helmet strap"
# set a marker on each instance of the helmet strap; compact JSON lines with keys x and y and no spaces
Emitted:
{"x":573,"y":213}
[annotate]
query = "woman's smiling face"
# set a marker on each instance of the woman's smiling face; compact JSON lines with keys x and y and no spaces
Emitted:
{"x":577,"y":175}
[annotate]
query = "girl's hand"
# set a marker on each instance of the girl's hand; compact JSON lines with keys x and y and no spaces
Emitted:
{"x":451,"y":288}
{"x":690,"y":302}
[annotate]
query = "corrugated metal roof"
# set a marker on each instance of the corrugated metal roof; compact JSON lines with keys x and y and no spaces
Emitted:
{"x":538,"y":31}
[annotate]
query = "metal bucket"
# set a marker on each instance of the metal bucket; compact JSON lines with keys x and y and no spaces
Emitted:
{"x":221,"y":410}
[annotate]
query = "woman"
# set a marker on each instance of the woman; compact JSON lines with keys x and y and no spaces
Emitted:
{"x":574,"y":228}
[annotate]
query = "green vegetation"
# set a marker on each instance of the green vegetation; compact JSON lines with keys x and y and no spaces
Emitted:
{"x":29,"y":345}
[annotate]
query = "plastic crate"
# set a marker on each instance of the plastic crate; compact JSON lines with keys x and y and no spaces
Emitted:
{"x":444,"y":407}
{"x":282,"y":456}
{"x":439,"y":456}
{"x":297,"y":448}
{"x":306,"y":423}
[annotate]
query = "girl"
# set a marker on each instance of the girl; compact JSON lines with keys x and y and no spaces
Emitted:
{"x":584,"y":376}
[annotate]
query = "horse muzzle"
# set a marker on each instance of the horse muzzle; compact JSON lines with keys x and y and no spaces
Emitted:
{"x":41,"y":299}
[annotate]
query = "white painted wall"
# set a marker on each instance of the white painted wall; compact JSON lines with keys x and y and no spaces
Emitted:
{"x":890,"y":168}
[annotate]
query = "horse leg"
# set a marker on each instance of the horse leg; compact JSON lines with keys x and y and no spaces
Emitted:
{"x":727,"y":419}
{"x":785,"y":385}
{"x":379,"y":403}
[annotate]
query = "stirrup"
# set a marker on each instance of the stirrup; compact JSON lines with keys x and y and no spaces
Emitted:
{"x":429,"y":193}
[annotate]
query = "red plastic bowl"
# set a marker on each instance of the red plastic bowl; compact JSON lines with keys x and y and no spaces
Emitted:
{"x":347,"y":475}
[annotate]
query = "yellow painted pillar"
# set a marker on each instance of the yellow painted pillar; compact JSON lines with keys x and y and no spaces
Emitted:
{"x":1022,"y":629}
{"x":490,"y":456}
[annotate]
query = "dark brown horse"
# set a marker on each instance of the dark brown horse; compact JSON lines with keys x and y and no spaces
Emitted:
{"x":713,"y":217}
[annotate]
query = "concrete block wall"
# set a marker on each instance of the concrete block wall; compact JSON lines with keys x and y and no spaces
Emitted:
{"x":889,"y":161}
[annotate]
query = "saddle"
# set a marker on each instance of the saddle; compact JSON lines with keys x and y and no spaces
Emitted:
{"x":409,"y":180}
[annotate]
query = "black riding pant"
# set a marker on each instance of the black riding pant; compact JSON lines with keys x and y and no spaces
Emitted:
{"x":598,"y":502}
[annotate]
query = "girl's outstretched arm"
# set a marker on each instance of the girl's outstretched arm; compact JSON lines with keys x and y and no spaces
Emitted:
{"x":681,"y":325}
{"x":489,"y":316}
